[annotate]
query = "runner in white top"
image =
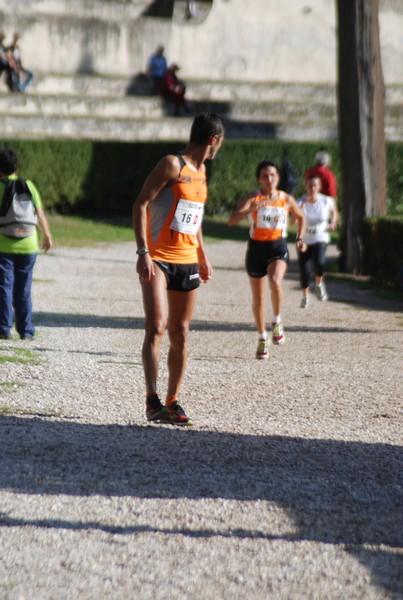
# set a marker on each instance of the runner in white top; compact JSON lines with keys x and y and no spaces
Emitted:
{"x":321,"y":217}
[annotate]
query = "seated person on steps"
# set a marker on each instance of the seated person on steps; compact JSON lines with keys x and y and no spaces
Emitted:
{"x":173,"y":89}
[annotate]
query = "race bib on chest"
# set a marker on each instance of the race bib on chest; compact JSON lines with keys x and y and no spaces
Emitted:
{"x":188,"y":217}
{"x":271,"y":217}
{"x":315,"y":229}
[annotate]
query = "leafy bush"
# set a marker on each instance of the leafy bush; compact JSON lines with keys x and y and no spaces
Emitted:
{"x":232,"y":173}
{"x":383,"y":251}
{"x":117,"y":172}
{"x":84,"y":176}
{"x":57,"y":168}
{"x":395,"y":178}
{"x":102,"y":178}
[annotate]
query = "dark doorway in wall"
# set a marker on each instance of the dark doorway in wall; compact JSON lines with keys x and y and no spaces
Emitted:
{"x":180,"y":10}
{"x":86,"y":63}
{"x":160,"y":8}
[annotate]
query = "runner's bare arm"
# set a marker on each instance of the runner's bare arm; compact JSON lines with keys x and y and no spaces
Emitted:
{"x":243,"y":210}
{"x":205,"y":268}
{"x":333,"y":218}
{"x":164,"y":173}
{"x":299,"y":216}
{"x":47,"y":241}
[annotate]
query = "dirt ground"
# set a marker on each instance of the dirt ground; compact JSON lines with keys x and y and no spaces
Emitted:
{"x":288,"y":485}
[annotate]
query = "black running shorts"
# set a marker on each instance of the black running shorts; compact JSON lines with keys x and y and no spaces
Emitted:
{"x":260,"y":254}
{"x":180,"y":278}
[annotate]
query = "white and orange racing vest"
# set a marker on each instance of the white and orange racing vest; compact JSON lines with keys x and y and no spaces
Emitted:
{"x":175,"y":216}
{"x":269,"y":220}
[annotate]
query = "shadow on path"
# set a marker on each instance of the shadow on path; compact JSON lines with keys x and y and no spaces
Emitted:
{"x":46,"y":319}
{"x":336,"y":492}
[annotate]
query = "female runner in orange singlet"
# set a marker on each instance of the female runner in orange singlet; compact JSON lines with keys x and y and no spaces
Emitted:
{"x":267,"y":210}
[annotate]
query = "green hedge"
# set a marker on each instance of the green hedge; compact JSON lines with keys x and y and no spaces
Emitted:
{"x":58,"y":168}
{"x":232,"y":173}
{"x":100,"y":178}
{"x":82,"y":176}
{"x":383,"y":251}
{"x":394,"y":161}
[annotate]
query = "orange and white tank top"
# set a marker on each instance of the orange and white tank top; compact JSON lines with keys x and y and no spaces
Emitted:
{"x":269,"y":220}
{"x":175,"y":216}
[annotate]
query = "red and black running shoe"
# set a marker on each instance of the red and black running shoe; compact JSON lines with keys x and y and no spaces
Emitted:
{"x":156,"y":411}
{"x":178,"y":415}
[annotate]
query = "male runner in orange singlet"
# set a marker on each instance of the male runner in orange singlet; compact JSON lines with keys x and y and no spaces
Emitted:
{"x":172,"y":262}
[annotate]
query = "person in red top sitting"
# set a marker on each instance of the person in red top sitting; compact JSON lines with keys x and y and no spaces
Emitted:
{"x":173,"y":89}
{"x":326,"y":175}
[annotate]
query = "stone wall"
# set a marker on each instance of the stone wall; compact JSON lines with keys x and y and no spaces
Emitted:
{"x":286,"y":41}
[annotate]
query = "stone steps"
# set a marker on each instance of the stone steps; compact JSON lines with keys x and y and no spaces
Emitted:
{"x":96,"y":107}
{"x":226,"y":91}
{"x":100,"y":107}
{"x":78,"y":84}
{"x":132,"y":130}
{"x":143,"y":107}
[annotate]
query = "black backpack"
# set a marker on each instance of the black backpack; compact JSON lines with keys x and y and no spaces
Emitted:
{"x":18,"y":218}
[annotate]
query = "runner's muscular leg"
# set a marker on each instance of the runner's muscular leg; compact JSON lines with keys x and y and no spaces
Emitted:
{"x":181,"y":306}
{"x":156,"y":315}
{"x":258,"y":288}
{"x":276,"y":271}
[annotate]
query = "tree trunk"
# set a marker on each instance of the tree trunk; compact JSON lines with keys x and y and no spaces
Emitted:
{"x":361,"y":124}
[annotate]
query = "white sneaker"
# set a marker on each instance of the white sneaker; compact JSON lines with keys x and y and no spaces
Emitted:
{"x":278,"y":333}
{"x":304,"y":302}
{"x":321,"y":292}
{"x":262,"y":351}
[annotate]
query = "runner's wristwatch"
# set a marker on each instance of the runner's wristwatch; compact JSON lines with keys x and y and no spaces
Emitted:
{"x":142,"y":251}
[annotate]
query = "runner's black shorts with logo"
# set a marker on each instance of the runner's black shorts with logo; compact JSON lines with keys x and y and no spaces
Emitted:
{"x":260,"y":254}
{"x":180,"y":278}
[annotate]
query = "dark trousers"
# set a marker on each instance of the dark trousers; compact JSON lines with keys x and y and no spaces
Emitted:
{"x":314,"y":256}
{"x":16,"y":271}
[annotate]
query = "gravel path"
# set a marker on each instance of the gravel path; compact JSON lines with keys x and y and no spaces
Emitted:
{"x":289,"y":484}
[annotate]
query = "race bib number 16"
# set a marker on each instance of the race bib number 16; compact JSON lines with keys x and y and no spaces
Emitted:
{"x":188,"y":217}
{"x":271,"y":217}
